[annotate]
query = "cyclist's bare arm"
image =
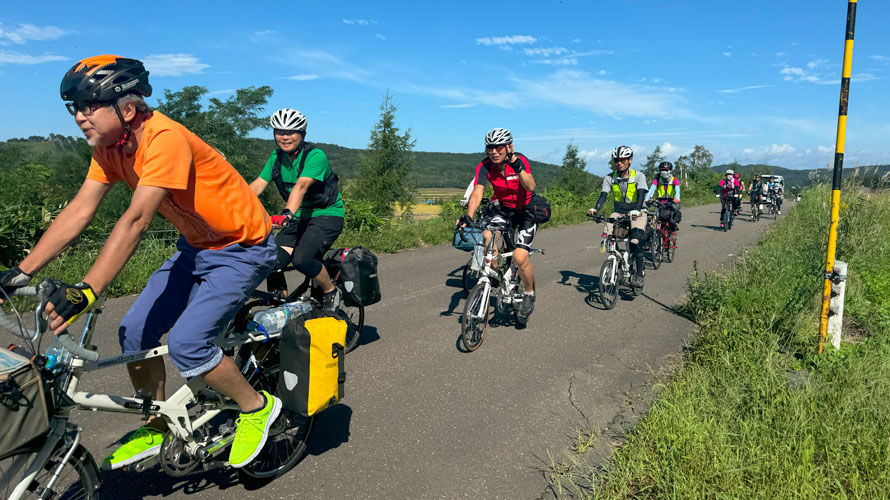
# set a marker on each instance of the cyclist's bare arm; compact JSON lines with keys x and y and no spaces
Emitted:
{"x":297,"y":193}
{"x":67,"y":226}
{"x":126,"y":236}
{"x":258,"y":186}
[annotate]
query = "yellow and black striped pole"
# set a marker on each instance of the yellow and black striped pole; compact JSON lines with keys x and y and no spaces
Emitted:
{"x":838,"y":170}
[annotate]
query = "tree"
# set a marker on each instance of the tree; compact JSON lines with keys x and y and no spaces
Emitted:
{"x":699,"y":161}
{"x":384,"y":168}
{"x":572,"y":175}
{"x":652,"y":162}
{"x":224,"y":124}
{"x":681,"y":166}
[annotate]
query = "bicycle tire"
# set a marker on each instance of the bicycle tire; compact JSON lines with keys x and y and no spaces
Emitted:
{"x":608,"y":286}
{"x":286,"y":445}
{"x":655,"y":251}
{"x":671,"y":250}
{"x":469,"y":277}
{"x":472,"y":330}
{"x":725,"y":221}
{"x":355,"y":321}
{"x":84,"y":484}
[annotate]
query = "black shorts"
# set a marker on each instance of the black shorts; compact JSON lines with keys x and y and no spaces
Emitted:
{"x":524,"y":227}
{"x":310,"y":238}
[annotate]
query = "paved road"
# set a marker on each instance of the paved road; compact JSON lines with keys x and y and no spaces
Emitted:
{"x":422,"y":419}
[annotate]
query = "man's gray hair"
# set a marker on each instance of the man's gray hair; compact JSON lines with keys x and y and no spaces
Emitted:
{"x":137,"y":101}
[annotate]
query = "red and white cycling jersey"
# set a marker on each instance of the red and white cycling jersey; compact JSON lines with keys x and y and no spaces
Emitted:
{"x":507,"y":188}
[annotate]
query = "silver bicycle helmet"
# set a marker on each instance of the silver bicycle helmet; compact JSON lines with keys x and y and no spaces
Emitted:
{"x":498,"y":136}
{"x":288,"y":119}
{"x":622,"y":152}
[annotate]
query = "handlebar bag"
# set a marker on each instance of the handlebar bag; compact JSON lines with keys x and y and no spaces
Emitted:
{"x":539,"y":209}
{"x":313,"y":369}
{"x":473,"y":236}
{"x":26,"y":404}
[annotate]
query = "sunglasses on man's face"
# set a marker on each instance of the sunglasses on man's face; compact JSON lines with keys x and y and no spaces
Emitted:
{"x":495,"y":147}
{"x":87,"y":108}
{"x":279,"y":131}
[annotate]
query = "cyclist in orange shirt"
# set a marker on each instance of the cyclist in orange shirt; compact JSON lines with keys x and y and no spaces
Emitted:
{"x":224,"y":252}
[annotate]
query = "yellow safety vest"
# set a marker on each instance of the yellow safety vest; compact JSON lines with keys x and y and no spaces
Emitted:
{"x":662,"y":188}
{"x":631,"y":187}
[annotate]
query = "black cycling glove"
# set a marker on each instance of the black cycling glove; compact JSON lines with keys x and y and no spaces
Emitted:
{"x":71,"y":301}
{"x":465,"y":220}
{"x":13,"y":279}
{"x":518,"y":166}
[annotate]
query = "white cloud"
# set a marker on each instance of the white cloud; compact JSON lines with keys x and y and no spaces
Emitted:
{"x":173,"y":64}
{"x":792,"y":74}
{"x":380,"y":37}
{"x":570,"y":61}
{"x":26,"y":32}
{"x":824,"y":149}
{"x":325,"y":64}
{"x":545,"y":51}
{"x":880,"y":58}
{"x":775,"y":149}
{"x":463,"y":105}
{"x":222,"y":92}
{"x":727,"y":54}
{"x":749,"y":87}
{"x":303,"y":77}
{"x":669,"y":149}
{"x":506,"y":40}
{"x":11,"y":57}
{"x":264,"y":33}
{"x":781,"y":54}
{"x":816,"y":63}
{"x":360,"y":22}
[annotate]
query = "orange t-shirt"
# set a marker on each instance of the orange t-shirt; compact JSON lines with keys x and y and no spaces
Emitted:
{"x":207,"y":199}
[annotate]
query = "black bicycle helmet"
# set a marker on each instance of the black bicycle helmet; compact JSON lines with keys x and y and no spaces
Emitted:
{"x":665,"y":166}
{"x":104,"y":78}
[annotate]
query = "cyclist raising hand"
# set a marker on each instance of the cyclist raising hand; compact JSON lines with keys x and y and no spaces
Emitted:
{"x":509,"y":175}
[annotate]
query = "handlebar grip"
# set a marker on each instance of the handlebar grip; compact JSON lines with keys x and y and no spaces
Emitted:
{"x":70,"y":344}
{"x":460,"y":232}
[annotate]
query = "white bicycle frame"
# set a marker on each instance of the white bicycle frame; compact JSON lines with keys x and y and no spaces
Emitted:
{"x":175,"y":410}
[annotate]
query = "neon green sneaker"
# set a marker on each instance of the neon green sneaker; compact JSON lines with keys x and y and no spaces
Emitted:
{"x":144,"y":443}
{"x":253,"y":429}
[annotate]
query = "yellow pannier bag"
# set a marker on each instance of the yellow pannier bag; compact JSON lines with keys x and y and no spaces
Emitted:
{"x":312,"y":371}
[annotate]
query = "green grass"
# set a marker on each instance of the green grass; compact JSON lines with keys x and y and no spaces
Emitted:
{"x":754,"y":412}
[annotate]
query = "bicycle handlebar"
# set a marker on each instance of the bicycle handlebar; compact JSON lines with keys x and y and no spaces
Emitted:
{"x":65,"y":338}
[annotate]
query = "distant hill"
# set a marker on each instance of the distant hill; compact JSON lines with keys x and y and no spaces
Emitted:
{"x":431,"y":169}
{"x":802,"y":178}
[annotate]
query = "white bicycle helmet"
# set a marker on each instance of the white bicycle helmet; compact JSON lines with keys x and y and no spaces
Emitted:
{"x":622,"y":152}
{"x":288,"y":119}
{"x":498,"y":136}
{"x":730,"y":172}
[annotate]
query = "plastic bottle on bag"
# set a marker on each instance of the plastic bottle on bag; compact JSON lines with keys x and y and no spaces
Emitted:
{"x":57,"y":357}
{"x":274,"y":319}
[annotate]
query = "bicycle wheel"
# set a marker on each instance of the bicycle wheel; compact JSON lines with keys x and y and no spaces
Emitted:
{"x":286,"y":444}
{"x":472,"y":329}
{"x":469,"y":277}
{"x":655,"y":250}
{"x":608,"y":283}
{"x":671,"y":249}
{"x":725,"y":220}
{"x":355,"y":321}
{"x":79,"y":478}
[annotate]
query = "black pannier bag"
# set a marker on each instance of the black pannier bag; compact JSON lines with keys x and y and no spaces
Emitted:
{"x":539,"y":209}
{"x":356,"y":273}
{"x":26,"y":402}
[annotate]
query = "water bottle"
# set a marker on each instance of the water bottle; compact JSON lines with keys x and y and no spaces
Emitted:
{"x":274,"y":319}
{"x":603,"y":244}
{"x":57,"y":357}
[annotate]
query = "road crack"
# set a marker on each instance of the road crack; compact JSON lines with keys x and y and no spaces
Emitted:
{"x":572,"y":398}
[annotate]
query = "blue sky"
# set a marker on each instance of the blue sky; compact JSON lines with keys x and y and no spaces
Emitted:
{"x":754,"y":81}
